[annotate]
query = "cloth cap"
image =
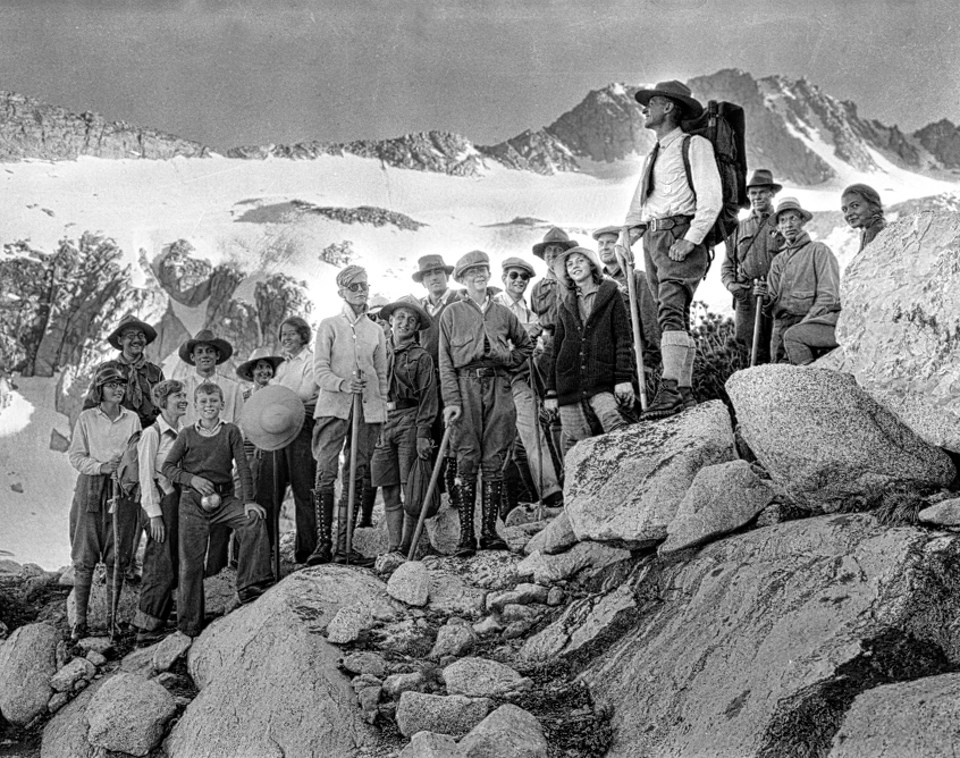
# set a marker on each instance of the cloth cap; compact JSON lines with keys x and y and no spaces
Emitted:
{"x":272,"y":418}
{"x":560,"y":264}
{"x":865,"y":191}
{"x":205,"y":337}
{"x":350,"y":274}
{"x":554,"y":236}
{"x":615,"y":230}
{"x":763,"y":177}
{"x":411,"y":303}
{"x":429,"y":263}
{"x":515,"y":262}
{"x":131,"y":322}
{"x":245,"y":369}
{"x":791,"y":204}
{"x":473,"y":258}
{"x":676,"y":91}
{"x":107,"y":374}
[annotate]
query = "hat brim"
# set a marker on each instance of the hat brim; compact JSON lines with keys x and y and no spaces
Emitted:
{"x":245,"y":370}
{"x":691,"y":108}
{"x":805,"y":215}
{"x":258,"y":406}
{"x":418,"y":275}
{"x":772,"y":185}
{"x":148,"y":331}
{"x":560,"y":264}
{"x":541,"y":246}
{"x":425,"y":319}
{"x":617,"y":230}
{"x":223,"y":347}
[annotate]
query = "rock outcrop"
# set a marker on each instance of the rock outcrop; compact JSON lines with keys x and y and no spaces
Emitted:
{"x":27,"y":662}
{"x":900,"y":324}
{"x":761,"y":643}
{"x":827,"y":443}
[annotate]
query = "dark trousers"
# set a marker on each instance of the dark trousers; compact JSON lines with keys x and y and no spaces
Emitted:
{"x":673,"y":283}
{"x":488,"y":426}
{"x":254,"y":560}
{"x":292,"y":466}
{"x":161,"y":565}
{"x":744,"y":319}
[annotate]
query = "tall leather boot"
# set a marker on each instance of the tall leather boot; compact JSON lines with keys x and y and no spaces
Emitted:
{"x":367,"y":499}
{"x":510,"y":499}
{"x":490,"y":506}
{"x":450,"y":481}
{"x":324,"y":508}
{"x":685,"y":382}
{"x":466,"y":502}
{"x":355,"y":558}
{"x":82,"y":582}
{"x":668,"y":401}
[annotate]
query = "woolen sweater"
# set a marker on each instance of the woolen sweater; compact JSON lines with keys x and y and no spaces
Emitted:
{"x":194,"y":454}
{"x":593,"y":357}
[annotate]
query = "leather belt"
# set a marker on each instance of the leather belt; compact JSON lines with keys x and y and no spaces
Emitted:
{"x":484,"y":372}
{"x":662,"y":224}
{"x":401,"y":405}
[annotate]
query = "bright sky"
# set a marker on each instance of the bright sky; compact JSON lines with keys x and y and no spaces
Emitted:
{"x":230,"y":72}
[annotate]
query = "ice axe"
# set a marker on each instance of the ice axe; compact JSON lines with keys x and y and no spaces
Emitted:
{"x":625,"y":259}
{"x":758,"y":316}
{"x":114,"y":502}
{"x":431,"y":488}
{"x":352,"y":486}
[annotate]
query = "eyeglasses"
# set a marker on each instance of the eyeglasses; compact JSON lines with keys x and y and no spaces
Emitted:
{"x":518,"y":275}
{"x":114,"y":385}
{"x":358,"y":287}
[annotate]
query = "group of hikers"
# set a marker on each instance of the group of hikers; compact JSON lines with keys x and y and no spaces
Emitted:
{"x":485,"y":388}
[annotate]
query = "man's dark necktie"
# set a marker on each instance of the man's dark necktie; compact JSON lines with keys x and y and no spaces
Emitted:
{"x":647,"y":187}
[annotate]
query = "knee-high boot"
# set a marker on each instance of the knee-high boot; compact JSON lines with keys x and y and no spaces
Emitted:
{"x":490,"y":507}
{"x":324,"y":511}
{"x":367,"y":499}
{"x":82,"y":582}
{"x":467,"y":500}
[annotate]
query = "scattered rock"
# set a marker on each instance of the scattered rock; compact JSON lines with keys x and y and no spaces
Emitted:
{"x":920,"y":719}
{"x":453,"y":639}
{"x":368,"y":691}
{"x":450,"y":594}
{"x":516,"y":537}
{"x":95,"y":658}
{"x":521,"y":594}
{"x":65,"y":735}
{"x":431,"y":745}
{"x":508,"y":732}
{"x":57,"y":702}
{"x":101,"y":645}
{"x":65,"y":678}
{"x":139,"y":661}
{"x":489,"y":625}
{"x":627,"y":486}
{"x":826,"y":442}
{"x":481,"y":677}
{"x":387,"y":563}
{"x":364,"y":662}
{"x":778,"y":513}
{"x":447,"y":714}
{"x":128,"y":714}
{"x":63,"y":654}
{"x":944,"y":513}
{"x":410,"y":584}
{"x":555,"y":538}
{"x":547,"y":569}
{"x":27,"y":662}
{"x":396,"y":684}
{"x":169,"y":650}
{"x":721,"y":499}
{"x":556,"y":596}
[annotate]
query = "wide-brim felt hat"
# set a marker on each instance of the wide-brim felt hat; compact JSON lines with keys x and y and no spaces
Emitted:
{"x":245,"y":369}
{"x":471,"y":259}
{"x":791,"y":204}
{"x":554,"y":236}
{"x":411,"y":303}
{"x":272,"y":417}
{"x":676,"y":91}
{"x":131,"y":322}
{"x":520,"y":263}
{"x":560,"y":263}
{"x":205,"y":337}
{"x":763,"y":178}
{"x":615,"y":230}
{"x":429,"y":263}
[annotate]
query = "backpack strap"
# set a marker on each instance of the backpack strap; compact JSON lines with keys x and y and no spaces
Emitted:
{"x":685,"y":151}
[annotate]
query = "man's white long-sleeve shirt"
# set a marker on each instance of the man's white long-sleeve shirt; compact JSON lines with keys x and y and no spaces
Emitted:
{"x":672,"y":195}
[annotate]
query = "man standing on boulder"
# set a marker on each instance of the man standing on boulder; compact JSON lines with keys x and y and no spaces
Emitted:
{"x":350,"y":358}
{"x":749,"y":255}
{"x":674,"y":218}
{"x":481,"y":344}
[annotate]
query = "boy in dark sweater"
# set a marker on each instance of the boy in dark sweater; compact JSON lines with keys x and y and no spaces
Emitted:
{"x":201,"y":461}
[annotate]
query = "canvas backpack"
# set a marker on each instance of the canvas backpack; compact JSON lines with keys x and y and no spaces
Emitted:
{"x":723,"y":125}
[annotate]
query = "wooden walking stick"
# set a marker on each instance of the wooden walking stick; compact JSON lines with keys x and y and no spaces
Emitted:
{"x":626,"y":264}
{"x":756,"y":327}
{"x":354,"y":446}
{"x":275,"y":517}
{"x":538,"y":431}
{"x":114,"y":501}
{"x":431,"y":488}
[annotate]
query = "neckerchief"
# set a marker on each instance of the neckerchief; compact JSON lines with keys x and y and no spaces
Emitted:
{"x":134,"y":394}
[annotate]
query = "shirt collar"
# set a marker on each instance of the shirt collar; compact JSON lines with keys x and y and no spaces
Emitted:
{"x":123,"y":412}
{"x":165,"y":427}
{"x":204,"y":430}
{"x":670,"y":137}
{"x":351,"y":317}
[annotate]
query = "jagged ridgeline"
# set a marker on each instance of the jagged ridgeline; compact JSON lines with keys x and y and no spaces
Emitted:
{"x":783,"y":115}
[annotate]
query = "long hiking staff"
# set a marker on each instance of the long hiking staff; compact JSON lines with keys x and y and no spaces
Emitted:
{"x":431,"y":488}
{"x":536,"y":429}
{"x":756,"y":328}
{"x":275,"y":517}
{"x":115,"y":578}
{"x":626,"y":264}
{"x":352,"y":486}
